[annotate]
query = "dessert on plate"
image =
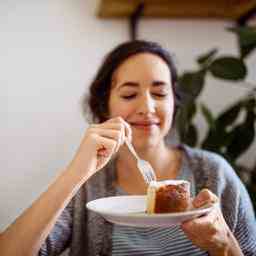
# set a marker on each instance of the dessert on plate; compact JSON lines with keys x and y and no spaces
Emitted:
{"x":168,"y":196}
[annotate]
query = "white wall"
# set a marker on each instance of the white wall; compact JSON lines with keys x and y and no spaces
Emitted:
{"x":49,"y":52}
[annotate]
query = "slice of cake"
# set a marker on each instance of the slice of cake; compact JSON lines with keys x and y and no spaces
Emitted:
{"x":168,"y":196}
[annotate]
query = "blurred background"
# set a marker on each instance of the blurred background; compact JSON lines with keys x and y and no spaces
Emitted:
{"x":50,"y":50}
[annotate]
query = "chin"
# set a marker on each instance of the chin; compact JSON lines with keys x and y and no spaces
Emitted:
{"x":144,"y":143}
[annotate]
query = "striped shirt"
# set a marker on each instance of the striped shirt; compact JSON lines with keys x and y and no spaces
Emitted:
{"x":152,"y":241}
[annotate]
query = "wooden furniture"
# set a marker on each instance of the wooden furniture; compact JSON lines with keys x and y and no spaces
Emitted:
{"x":218,"y":9}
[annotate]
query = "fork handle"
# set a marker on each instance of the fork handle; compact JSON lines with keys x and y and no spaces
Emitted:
{"x":131,"y":148}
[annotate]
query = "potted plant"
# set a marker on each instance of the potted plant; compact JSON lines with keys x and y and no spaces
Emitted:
{"x":226,"y":133}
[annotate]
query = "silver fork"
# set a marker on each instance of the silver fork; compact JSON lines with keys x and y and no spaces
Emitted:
{"x":143,"y":165}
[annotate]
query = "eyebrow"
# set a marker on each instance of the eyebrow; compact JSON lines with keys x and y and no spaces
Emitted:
{"x":156,"y":83}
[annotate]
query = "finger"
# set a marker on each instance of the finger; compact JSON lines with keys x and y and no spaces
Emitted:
{"x":126,"y":126}
{"x":116,"y":135}
{"x":105,"y":152}
{"x":204,"y":197}
{"x":206,"y":220}
{"x":208,"y":217}
{"x":120,"y":122}
{"x":109,"y":125}
{"x":128,"y":131}
{"x":107,"y":133}
{"x":106,"y":146}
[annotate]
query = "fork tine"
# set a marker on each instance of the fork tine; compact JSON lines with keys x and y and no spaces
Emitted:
{"x":151,"y":177}
{"x":148,"y":173}
{"x":145,"y":175}
{"x":151,"y":172}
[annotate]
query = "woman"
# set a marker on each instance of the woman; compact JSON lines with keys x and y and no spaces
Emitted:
{"x":134,"y":95}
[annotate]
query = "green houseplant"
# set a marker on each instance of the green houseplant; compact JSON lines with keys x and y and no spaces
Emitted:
{"x":226,"y":133}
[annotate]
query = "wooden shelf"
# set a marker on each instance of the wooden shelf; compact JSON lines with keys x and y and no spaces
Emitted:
{"x":220,"y":9}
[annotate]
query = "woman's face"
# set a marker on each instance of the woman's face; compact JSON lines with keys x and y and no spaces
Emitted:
{"x":142,"y":95}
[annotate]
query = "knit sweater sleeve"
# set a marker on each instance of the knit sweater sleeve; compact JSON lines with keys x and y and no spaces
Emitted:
{"x":235,"y":203}
{"x":236,"y":199}
{"x":60,"y":236}
{"x":245,"y":229}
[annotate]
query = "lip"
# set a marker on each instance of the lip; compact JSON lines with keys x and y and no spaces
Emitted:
{"x":145,"y":125}
{"x":145,"y":122}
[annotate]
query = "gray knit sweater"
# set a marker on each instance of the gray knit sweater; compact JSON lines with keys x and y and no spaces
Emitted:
{"x":86,"y":233}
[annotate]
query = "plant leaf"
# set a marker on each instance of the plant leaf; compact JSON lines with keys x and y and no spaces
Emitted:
{"x":191,"y":110}
{"x":191,"y":136}
{"x":229,"y":116}
{"x":216,"y":139}
{"x":191,"y":84}
{"x":184,"y":118}
{"x":208,"y":116}
{"x":211,"y":141}
{"x":182,"y":123}
{"x":206,"y":58}
{"x":246,"y":34}
{"x":245,"y":50}
{"x":243,"y":136}
{"x":246,"y":37}
{"x":249,"y":103}
{"x":229,"y":68}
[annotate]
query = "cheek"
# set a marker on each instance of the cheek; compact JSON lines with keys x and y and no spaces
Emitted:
{"x":167,"y":112}
{"x":118,"y":107}
{"x":123,"y":111}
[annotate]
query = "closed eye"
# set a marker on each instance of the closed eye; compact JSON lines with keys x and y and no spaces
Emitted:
{"x":128,"y":97}
{"x":160,"y":95}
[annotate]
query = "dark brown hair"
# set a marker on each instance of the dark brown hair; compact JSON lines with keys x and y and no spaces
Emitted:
{"x":99,"y":90}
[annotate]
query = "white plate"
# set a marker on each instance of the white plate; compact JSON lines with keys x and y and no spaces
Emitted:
{"x":130,"y":211}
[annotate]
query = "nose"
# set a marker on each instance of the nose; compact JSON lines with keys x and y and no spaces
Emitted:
{"x":147,"y":104}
